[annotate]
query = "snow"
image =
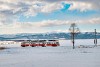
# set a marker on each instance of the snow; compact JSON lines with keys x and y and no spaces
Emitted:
{"x":78,"y":42}
{"x":62,"y":56}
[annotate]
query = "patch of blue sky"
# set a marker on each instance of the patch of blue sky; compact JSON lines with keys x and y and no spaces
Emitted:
{"x":55,"y":15}
{"x":75,"y":14}
{"x":62,"y":14}
{"x":66,"y":7}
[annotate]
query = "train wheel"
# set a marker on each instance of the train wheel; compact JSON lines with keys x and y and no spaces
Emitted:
{"x":43,"y":46}
{"x":23,"y":46}
{"x":32,"y":46}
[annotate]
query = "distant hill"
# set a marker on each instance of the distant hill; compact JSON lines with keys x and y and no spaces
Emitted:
{"x":60,"y":35}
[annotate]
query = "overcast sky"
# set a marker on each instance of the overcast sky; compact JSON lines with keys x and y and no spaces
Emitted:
{"x":40,"y":16}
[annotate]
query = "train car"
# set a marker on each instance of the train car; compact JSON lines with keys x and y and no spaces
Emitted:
{"x":53,"y":43}
{"x":43,"y":43}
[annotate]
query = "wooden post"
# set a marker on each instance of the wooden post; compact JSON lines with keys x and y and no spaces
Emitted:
{"x":95,"y":39}
{"x":73,"y":41}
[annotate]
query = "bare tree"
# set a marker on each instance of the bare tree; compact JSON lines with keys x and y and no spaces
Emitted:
{"x":74,"y":30}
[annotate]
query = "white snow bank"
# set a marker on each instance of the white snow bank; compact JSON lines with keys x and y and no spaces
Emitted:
{"x":78,"y":42}
{"x":63,"y":56}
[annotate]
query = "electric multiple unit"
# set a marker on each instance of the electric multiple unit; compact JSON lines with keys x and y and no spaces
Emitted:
{"x":43,"y":43}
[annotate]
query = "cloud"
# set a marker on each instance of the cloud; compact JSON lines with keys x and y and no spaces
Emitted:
{"x":50,"y":7}
{"x":11,"y":10}
{"x":43,"y":26}
{"x":18,"y":27}
{"x":49,"y":23}
{"x":91,"y":21}
{"x":6,"y":18}
{"x":31,"y":7}
{"x":81,"y":6}
{"x":53,"y":23}
{"x":15,"y":8}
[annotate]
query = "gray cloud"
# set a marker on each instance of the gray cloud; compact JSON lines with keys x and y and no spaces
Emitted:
{"x":11,"y":9}
{"x":49,"y":23}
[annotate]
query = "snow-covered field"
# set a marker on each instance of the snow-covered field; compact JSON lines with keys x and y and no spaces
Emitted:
{"x":62,"y":56}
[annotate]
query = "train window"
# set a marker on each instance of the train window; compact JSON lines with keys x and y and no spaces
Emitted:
{"x":56,"y":42}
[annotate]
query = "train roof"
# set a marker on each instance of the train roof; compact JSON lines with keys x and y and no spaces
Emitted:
{"x":39,"y":40}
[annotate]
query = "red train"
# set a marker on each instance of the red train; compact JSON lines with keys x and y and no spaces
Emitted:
{"x":43,"y":43}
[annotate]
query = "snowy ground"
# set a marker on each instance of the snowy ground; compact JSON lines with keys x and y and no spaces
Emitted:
{"x":62,"y":56}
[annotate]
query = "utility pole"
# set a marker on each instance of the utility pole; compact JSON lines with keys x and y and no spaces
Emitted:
{"x":74,"y":30}
{"x":95,"y":38}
